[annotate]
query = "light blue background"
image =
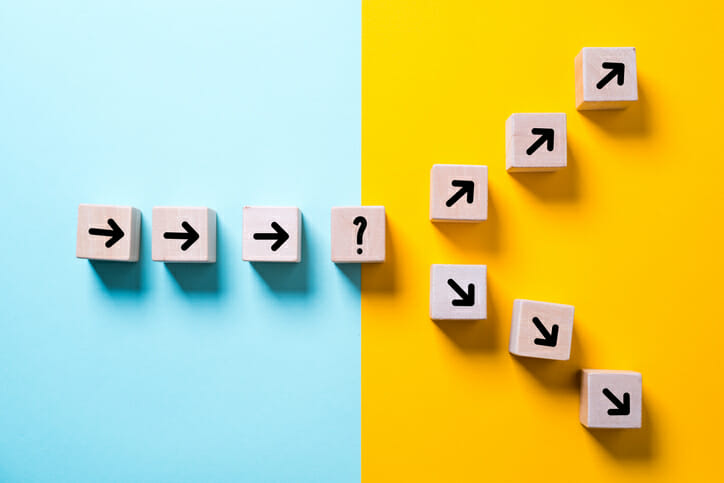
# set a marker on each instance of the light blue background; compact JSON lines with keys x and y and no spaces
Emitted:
{"x":143,"y":372}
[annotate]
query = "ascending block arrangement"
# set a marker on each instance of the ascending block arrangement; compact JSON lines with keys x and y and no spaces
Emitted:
{"x":541,"y":329}
{"x":458,"y":193}
{"x":358,"y":234}
{"x":611,"y":399}
{"x":535,"y":142}
{"x":272,"y":234}
{"x":108,"y":233}
{"x":606,"y":78}
{"x":458,"y":292}
{"x":181,"y":234}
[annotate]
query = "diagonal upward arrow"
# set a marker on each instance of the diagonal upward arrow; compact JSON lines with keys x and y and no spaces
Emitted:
{"x":546,"y":136}
{"x":466,"y":187}
{"x":549,"y":339}
{"x":280,"y":235}
{"x":622,"y":408}
{"x":115,"y":233}
{"x":617,"y":71}
{"x":190,"y":235}
{"x":467,"y":299}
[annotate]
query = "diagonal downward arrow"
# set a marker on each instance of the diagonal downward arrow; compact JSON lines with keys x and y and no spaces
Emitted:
{"x":622,"y":408}
{"x":550,"y":339}
{"x":467,"y":299}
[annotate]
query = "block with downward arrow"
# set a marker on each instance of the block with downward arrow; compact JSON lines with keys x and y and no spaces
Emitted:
{"x":272,"y":234}
{"x":181,"y":234}
{"x":458,"y":193}
{"x":611,"y":399}
{"x":606,"y":78}
{"x":108,"y":233}
{"x":541,"y":329}
{"x":535,"y":142}
{"x":458,"y":292}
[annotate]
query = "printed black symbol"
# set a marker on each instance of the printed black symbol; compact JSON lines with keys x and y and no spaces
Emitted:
{"x":617,"y":70}
{"x":190,"y":235}
{"x":546,"y":136}
{"x":467,"y":299}
{"x":622,"y":408}
{"x":549,"y":339}
{"x":115,"y":233}
{"x":362,"y":222}
{"x":467,"y":187}
{"x":280,"y":235}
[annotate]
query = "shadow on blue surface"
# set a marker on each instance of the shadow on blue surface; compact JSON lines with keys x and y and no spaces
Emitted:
{"x":119,"y":276}
{"x":352,"y":271}
{"x":288,"y":277}
{"x":195,"y":277}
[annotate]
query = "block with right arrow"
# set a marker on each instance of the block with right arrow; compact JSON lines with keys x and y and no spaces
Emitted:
{"x":606,"y":78}
{"x":535,"y":142}
{"x":108,"y":233}
{"x":272,"y":234}
{"x":611,"y":399}
{"x":183,"y":234}
{"x":541,"y":329}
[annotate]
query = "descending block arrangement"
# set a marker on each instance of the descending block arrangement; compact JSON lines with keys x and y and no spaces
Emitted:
{"x":610,"y":399}
{"x":108,"y":233}
{"x":358,"y":234}
{"x":606,"y":78}
{"x":541,"y":329}
{"x":458,"y":292}
{"x":535,"y":142}
{"x":183,"y":235}
{"x":458,"y":193}
{"x":272,"y":234}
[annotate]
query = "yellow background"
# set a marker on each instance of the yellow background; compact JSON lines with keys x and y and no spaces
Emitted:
{"x":630,"y":233}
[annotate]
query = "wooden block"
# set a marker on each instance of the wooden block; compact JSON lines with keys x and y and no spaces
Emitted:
{"x":611,"y":399}
{"x":272,"y":234}
{"x":458,"y":292}
{"x":459,"y":193}
{"x":358,"y":234}
{"x":606,"y":78}
{"x":181,"y":234}
{"x":535,"y":142}
{"x":108,"y":233}
{"x":541,"y":329}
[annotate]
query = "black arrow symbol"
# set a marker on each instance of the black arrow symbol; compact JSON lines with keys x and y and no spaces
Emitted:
{"x":467,"y":299}
{"x":622,"y":408}
{"x":466,"y":187}
{"x":550,"y":339}
{"x":190,"y":235}
{"x":280,"y":236}
{"x":546,"y":136}
{"x":115,"y":233}
{"x":617,"y":70}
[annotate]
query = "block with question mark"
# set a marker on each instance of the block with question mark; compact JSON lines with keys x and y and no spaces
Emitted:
{"x":358,"y":234}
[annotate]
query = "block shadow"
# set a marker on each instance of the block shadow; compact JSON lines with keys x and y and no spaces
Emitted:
{"x":381,"y":277}
{"x":474,"y":236}
{"x":288,"y":277}
{"x":629,"y":444}
{"x":352,"y":272}
{"x":474,"y":336}
{"x":555,"y":186}
{"x":634,"y":121}
{"x":119,"y":276}
{"x":195,"y":277}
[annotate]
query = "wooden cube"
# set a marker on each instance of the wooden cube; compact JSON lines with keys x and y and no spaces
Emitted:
{"x":459,"y":193}
{"x":272,"y":234}
{"x":458,"y":292}
{"x":535,"y":142}
{"x":108,"y":233}
{"x":541,"y":329}
{"x":611,"y":399}
{"x":606,"y":78}
{"x":182,"y":234}
{"x":358,"y":234}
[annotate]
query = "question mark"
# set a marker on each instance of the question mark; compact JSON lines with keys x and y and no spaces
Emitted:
{"x":362,"y":222}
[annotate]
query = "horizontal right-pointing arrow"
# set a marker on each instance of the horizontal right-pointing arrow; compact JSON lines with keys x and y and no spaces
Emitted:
{"x":115,"y":233}
{"x":280,"y":236}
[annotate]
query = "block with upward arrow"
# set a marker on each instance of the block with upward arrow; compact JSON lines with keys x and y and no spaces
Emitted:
{"x":272,"y":234}
{"x":541,"y":329}
{"x":182,"y":234}
{"x":611,"y":399}
{"x":108,"y":233}
{"x":458,"y":193}
{"x":458,"y":292}
{"x":605,"y":78}
{"x":535,"y":142}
